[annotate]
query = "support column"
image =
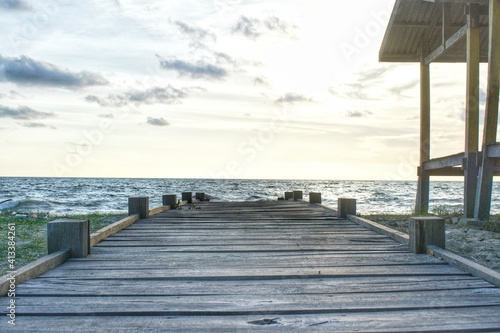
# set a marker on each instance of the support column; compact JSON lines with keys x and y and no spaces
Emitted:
{"x":472,"y":111}
{"x":70,"y":234}
{"x":170,"y":200}
{"x":425,"y":231}
{"x":346,"y":207}
{"x":422,"y":202}
{"x":139,"y":205}
{"x":485,"y":183}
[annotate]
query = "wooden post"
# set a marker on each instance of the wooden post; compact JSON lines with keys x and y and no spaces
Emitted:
{"x":422,"y":202}
{"x":139,"y":205}
{"x":315,"y":197}
{"x":200,"y":196}
{"x":187,"y":196}
{"x":297,"y":195}
{"x":486,"y":171}
{"x":288,"y":195}
{"x":170,"y":200}
{"x":428,"y":230}
{"x":69,"y":234}
{"x":472,"y":111}
{"x":346,"y":207}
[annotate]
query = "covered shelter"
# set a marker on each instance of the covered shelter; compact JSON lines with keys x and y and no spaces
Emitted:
{"x":453,"y":31}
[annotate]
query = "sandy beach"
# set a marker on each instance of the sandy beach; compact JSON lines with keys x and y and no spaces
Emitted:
{"x":474,"y":242}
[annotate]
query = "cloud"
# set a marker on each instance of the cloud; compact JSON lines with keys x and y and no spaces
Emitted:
{"x":358,"y":114}
{"x":199,"y":37}
{"x":14,"y":5}
{"x":157,"y":121}
{"x":254,"y":28}
{"x":292,"y":98}
{"x":107,"y":115}
{"x":23,"y":112}
{"x":198,"y":70}
{"x":23,"y":70}
{"x":37,"y":125}
{"x":261,"y":81}
{"x":156,"y":95}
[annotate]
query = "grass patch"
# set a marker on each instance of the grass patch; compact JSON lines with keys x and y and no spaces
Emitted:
{"x":31,"y":234}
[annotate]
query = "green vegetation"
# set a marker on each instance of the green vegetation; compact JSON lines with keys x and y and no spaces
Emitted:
{"x":31,"y":234}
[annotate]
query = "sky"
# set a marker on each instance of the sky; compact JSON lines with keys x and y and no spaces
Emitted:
{"x":214,"y":89}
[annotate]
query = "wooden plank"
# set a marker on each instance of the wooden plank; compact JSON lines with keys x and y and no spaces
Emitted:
{"x":467,"y":265}
{"x":451,"y":320}
{"x":444,"y":162}
{"x":338,"y":285}
{"x":33,"y":270}
{"x":111,"y":229}
{"x":449,"y":43}
{"x":394,"y":234}
{"x":214,"y":274}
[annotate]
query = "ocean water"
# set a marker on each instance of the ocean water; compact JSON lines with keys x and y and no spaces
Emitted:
{"x":59,"y":196}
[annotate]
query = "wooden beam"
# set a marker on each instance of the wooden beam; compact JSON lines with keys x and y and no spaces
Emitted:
{"x":456,"y":37}
{"x":492,"y":98}
{"x":472,"y":111}
{"x":422,"y":201}
{"x":444,"y":162}
{"x":451,"y":172}
{"x":485,"y":186}
{"x":493,"y":150}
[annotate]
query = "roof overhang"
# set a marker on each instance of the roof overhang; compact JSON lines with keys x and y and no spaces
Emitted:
{"x":434,"y":30}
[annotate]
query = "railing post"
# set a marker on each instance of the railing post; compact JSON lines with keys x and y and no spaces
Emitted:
{"x":170,"y":200}
{"x":187,"y":196}
{"x":200,"y":196}
{"x":315,"y":197}
{"x":139,"y":205}
{"x":346,"y":207}
{"x":297,"y":195}
{"x":69,"y":234}
{"x":288,"y":195}
{"x":426,"y":230}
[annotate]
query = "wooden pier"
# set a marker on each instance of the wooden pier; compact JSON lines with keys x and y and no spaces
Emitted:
{"x":254,"y":266}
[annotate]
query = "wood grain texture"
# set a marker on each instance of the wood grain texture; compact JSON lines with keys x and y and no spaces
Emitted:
{"x":250,"y":267}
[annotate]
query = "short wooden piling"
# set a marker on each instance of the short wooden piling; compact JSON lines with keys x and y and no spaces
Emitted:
{"x":70,"y":234}
{"x":200,"y":196}
{"x":187,"y":196}
{"x":346,"y":207}
{"x":424,"y":231}
{"x":297,"y":195}
{"x":139,"y":205}
{"x":288,"y":195}
{"x":170,"y":200}
{"x":315,"y":197}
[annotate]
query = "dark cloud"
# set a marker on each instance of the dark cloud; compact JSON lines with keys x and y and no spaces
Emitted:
{"x":261,"y":81}
{"x":248,"y":27}
{"x":199,"y":37}
{"x":23,"y":112}
{"x":358,"y":114}
{"x":37,"y":125}
{"x":26,"y":71}
{"x":254,"y":28}
{"x":198,"y":70}
{"x":292,"y":98}
{"x":14,"y":4}
{"x":399,"y":89}
{"x":157,"y":121}
{"x":156,"y":95}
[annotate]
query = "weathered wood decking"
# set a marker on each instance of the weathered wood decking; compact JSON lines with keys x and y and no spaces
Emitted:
{"x":262,"y":266}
